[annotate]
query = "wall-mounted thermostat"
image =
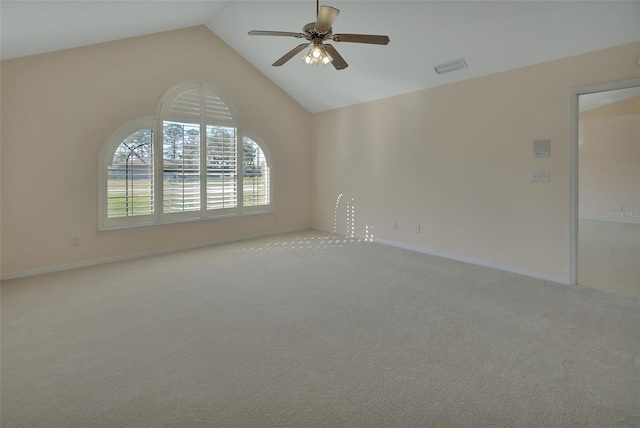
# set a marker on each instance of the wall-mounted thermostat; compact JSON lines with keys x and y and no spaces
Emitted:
{"x":541,"y":148}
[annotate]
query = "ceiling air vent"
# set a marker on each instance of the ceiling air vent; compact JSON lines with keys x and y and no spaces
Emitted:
{"x":450,"y":66}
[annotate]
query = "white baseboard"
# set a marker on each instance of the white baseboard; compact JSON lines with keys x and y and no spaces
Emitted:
{"x":539,"y":275}
{"x":57,"y":268}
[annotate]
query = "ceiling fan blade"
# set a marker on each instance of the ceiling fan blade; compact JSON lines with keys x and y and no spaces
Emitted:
{"x":293,"y":52}
{"x":338,"y":62}
{"x":361,"y":38}
{"x":326,"y":16}
{"x":276,"y":33}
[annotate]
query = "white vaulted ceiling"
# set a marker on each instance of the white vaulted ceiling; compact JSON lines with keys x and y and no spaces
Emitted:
{"x":491,"y":36}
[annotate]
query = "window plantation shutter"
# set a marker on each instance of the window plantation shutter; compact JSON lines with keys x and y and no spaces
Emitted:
{"x":181,"y":149}
{"x":181,"y":167}
{"x":186,"y":106}
{"x":216,"y":110}
{"x":200,"y":171}
{"x":222,"y":177}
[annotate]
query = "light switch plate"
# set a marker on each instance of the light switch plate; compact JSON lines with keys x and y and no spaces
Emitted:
{"x":540,"y":176}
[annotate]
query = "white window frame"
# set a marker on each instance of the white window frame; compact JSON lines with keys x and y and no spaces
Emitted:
{"x":156,"y":124}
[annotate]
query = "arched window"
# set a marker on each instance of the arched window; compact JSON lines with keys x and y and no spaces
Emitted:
{"x":130,"y":176}
{"x":127,"y":175}
{"x":256,"y":182}
{"x":190,"y":163}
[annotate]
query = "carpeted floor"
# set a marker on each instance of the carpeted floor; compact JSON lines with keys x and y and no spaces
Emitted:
{"x":310,"y":329}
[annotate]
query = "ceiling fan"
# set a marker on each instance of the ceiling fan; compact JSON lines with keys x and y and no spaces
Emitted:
{"x":317,"y":33}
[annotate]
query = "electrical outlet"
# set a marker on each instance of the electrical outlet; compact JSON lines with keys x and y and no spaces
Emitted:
{"x":75,"y":241}
{"x":540,"y":176}
{"x":394,"y":225}
{"x":417,"y":228}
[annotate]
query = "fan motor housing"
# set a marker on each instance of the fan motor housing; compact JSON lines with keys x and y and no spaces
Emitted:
{"x":311,"y":29}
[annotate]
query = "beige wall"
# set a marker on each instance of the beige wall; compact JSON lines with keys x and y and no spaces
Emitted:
{"x":456,"y":159}
{"x":59,"y":108}
{"x":609,"y":141}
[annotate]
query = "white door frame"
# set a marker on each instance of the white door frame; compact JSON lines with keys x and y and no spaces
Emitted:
{"x":573,"y":166}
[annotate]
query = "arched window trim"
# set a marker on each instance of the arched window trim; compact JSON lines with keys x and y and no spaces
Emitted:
{"x":158,"y":218}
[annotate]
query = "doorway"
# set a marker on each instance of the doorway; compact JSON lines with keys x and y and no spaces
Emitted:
{"x":607,"y":188}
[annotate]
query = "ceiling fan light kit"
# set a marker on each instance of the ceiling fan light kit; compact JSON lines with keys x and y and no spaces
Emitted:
{"x":316,"y":33}
{"x":318,"y":56}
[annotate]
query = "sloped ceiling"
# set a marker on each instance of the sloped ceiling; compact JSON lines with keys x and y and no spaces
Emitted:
{"x":491,"y":36}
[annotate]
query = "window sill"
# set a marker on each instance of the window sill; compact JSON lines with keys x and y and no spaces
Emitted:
{"x":121,"y":228}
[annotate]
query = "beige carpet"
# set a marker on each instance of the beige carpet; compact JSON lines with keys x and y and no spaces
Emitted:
{"x":309,"y":329}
